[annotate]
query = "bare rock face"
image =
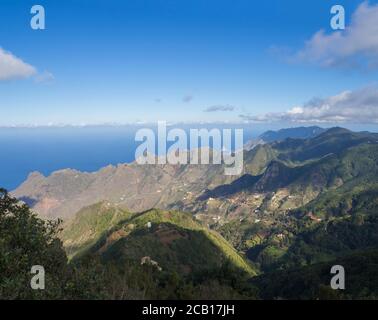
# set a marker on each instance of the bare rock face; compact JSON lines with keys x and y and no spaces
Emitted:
{"x":277,"y":176}
{"x":137,"y":187}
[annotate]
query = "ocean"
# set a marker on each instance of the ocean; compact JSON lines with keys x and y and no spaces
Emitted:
{"x":45,"y":149}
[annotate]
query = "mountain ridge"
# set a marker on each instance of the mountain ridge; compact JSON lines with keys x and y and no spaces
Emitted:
{"x":141,"y":188}
{"x":164,"y":236}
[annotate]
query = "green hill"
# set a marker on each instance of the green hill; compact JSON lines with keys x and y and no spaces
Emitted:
{"x":332,"y":141}
{"x":341,"y":218}
{"x":300,"y":206}
{"x":295,"y":133}
{"x":88,"y":226}
{"x":313,"y":282}
{"x":173,"y":239}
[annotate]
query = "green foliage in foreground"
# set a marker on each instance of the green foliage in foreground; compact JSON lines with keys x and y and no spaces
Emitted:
{"x":99,"y":280}
{"x":313,"y":282}
{"x":26,"y":240}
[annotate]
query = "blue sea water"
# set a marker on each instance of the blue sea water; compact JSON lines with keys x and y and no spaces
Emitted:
{"x":23,"y":150}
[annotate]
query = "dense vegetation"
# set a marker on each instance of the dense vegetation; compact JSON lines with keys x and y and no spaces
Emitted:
{"x":302,"y":206}
{"x":26,"y":240}
{"x":312,"y":282}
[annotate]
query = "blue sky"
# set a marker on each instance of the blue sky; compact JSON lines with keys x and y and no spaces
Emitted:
{"x":146,"y":60}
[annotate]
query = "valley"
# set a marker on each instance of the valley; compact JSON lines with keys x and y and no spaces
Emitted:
{"x":299,"y":203}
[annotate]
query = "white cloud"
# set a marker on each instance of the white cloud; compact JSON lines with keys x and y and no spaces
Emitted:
{"x":354,"y":47}
{"x":12,"y":67}
{"x":360,"y":106}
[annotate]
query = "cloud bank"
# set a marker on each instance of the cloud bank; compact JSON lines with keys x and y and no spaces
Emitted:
{"x":12,"y":67}
{"x":360,"y":106}
{"x":220,"y":108}
{"x":354,"y":47}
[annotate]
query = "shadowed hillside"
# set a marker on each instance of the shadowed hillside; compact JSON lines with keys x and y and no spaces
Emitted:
{"x":172,"y":239}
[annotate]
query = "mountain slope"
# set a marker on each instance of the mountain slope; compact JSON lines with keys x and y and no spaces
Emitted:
{"x":313,"y":282}
{"x":300,"y":203}
{"x":277,"y":177}
{"x":294,"y":133}
{"x":283,"y":134}
{"x":138,"y":187}
{"x":332,"y":141}
{"x":89,"y":225}
{"x":174,"y":240}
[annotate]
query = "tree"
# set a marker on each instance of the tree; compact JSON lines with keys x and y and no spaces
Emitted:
{"x":26,"y":241}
